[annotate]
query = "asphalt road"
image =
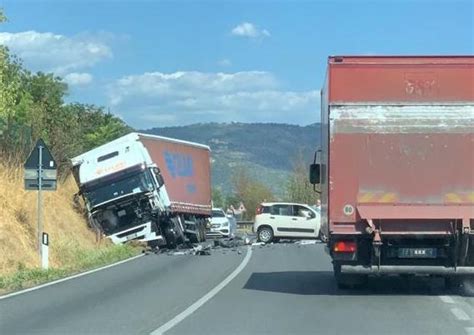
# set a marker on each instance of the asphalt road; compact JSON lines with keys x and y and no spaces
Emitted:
{"x":284,"y":289}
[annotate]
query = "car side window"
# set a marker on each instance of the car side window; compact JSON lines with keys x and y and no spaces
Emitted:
{"x":303,"y":212}
{"x":266,"y":210}
{"x":283,"y":210}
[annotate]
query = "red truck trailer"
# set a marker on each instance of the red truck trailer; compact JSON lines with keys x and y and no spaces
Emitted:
{"x":149,"y":188}
{"x":396,"y":166}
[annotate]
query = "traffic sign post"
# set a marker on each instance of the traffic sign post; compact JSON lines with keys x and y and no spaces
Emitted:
{"x":45,"y":251}
{"x":41,"y":175}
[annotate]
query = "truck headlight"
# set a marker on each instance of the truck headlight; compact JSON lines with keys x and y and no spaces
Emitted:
{"x":225,"y":224}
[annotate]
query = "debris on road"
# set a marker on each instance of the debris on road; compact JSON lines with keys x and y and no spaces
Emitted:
{"x":202,"y":251}
{"x":247,"y":239}
{"x":205,"y":249}
{"x":178,"y":253}
{"x":228,"y":243}
{"x":306,"y":242}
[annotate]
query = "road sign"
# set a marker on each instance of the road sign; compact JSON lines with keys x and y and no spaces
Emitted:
{"x":40,"y":162}
{"x":41,"y":175}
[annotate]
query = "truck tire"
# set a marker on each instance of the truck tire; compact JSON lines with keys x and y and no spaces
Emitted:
{"x":452,"y":283}
{"x":170,"y":239}
{"x":194,"y":238}
{"x":349,"y":280}
{"x":467,"y":286}
{"x":202,"y":229}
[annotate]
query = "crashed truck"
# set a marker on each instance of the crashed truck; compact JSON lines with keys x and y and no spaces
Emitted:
{"x":147,"y":188}
{"x":396,"y":167}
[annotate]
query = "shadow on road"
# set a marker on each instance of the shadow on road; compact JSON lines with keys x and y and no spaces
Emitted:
{"x":323,"y":283}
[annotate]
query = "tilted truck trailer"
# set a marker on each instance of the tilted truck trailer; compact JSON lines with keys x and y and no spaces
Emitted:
{"x":147,"y":188}
{"x":396,"y":167}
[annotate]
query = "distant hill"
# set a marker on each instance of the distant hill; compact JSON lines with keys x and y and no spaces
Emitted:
{"x":266,"y":149}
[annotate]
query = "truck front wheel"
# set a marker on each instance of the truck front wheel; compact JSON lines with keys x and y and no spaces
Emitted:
{"x":170,"y":237}
{"x":349,"y":280}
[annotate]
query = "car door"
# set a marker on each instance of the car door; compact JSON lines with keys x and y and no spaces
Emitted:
{"x":304,"y":222}
{"x":280,"y":219}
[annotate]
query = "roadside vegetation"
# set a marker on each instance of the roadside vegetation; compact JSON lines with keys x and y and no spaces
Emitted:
{"x":32,"y":106}
{"x":74,"y":247}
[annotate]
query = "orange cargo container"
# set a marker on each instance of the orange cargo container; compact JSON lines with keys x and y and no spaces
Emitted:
{"x":186,"y":170}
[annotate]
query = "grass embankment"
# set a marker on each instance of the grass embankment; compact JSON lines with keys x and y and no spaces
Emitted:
{"x":72,"y":245}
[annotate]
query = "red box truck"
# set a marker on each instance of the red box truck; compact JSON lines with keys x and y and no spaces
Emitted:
{"x":396,"y":166}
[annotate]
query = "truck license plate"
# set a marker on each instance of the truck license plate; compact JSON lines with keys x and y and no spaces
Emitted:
{"x":417,"y":253}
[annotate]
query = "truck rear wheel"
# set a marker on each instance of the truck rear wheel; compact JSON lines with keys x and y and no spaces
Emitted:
{"x":202,"y":230}
{"x":349,"y":280}
{"x":467,"y":286}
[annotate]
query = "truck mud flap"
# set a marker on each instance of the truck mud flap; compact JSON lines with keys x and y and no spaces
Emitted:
{"x":417,"y":270}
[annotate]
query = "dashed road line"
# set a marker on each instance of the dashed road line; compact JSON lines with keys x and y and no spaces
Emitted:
{"x":191,"y":309}
{"x":460,"y":314}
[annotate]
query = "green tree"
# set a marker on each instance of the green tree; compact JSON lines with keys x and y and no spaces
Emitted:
{"x":298,"y":188}
{"x":250,"y":191}
{"x":32,"y":106}
{"x":15,"y":136}
{"x":218,"y":198}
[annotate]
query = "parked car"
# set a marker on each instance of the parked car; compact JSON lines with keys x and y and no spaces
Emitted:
{"x":286,"y":220}
{"x":323,"y":228}
{"x":221,"y":225}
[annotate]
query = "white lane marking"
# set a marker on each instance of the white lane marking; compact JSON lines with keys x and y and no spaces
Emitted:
{"x":191,"y":309}
{"x":469,"y":330}
{"x":460,"y":314}
{"x":68,"y":278}
{"x":447,"y":299}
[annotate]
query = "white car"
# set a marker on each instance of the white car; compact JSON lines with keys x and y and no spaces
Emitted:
{"x":221,"y":225}
{"x":275,"y":220}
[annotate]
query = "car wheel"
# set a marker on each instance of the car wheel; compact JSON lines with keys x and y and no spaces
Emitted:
{"x":322,"y":237}
{"x":265,"y":234}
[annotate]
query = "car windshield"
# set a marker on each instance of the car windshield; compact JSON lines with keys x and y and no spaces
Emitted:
{"x":108,"y":190}
{"x":218,"y":214}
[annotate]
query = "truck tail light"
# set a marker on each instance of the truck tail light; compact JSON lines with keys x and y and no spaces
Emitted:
{"x":345,"y":246}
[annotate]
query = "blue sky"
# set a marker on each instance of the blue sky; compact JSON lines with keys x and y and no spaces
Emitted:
{"x":157,"y":63}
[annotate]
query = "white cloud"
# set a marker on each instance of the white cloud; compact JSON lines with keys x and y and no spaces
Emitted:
{"x":163,"y":99}
{"x":224,"y":62}
{"x":78,"y":78}
{"x":57,"y":53}
{"x":247,"y":29}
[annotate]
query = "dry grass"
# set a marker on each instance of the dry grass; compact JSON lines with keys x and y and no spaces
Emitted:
{"x":70,"y":238}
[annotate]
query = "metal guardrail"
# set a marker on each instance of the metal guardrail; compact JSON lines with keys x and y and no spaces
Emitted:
{"x":246,"y":226}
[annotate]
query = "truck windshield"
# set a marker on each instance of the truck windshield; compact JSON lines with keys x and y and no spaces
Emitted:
{"x":132,"y":183}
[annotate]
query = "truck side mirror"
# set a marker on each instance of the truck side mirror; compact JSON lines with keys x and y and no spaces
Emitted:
{"x":315,"y":174}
